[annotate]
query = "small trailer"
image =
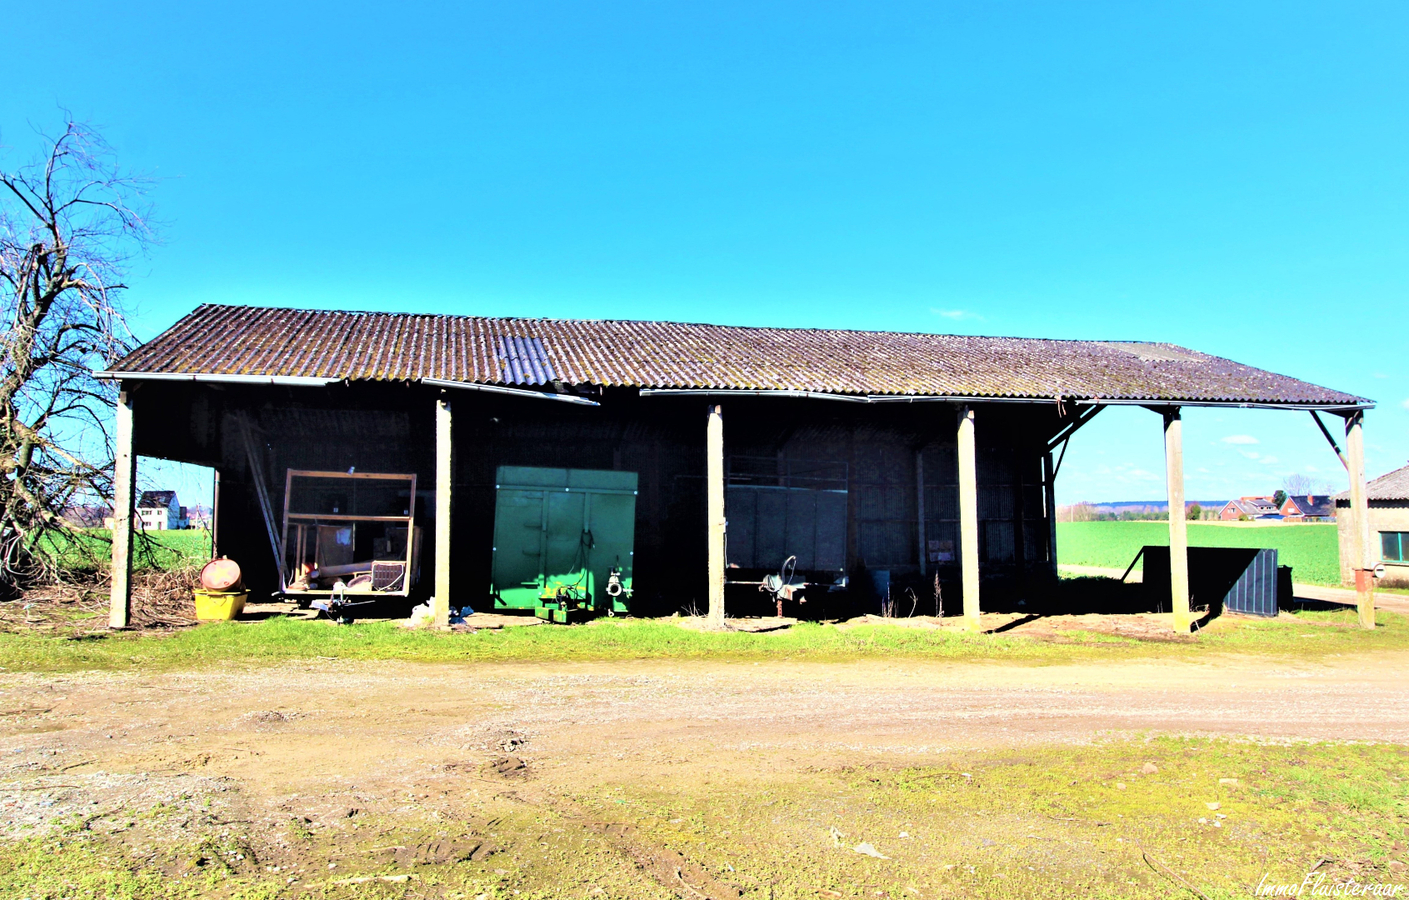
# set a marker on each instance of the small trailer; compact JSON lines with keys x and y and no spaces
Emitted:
{"x":349,"y":539}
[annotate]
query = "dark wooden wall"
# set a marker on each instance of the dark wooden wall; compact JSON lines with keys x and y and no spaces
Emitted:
{"x":389,"y":427}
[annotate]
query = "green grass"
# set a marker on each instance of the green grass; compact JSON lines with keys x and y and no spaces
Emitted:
{"x":1053,"y":821}
{"x":1307,"y":634}
{"x":1109,"y":820}
{"x":90,"y":549}
{"x":1311,"y":550}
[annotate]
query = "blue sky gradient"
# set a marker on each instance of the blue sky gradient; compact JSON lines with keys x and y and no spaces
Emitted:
{"x":1229,"y":177}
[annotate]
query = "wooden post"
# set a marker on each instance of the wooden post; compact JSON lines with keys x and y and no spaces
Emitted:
{"x":1363,"y":550}
{"x":124,"y":476}
{"x":1178,"y":525}
{"x":920,"y":509}
{"x":1049,"y":501}
{"x":1020,"y":526}
{"x":968,"y":518}
{"x":444,"y":484}
{"x":714,"y":512}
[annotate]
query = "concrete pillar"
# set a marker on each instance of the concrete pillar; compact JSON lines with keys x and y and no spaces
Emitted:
{"x":1362,"y":558}
{"x":444,"y":485}
{"x":968,"y":518}
{"x":714,"y":512}
{"x":1178,"y":525}
{"x":124,"y":477}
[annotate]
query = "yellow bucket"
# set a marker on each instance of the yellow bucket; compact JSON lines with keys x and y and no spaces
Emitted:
{"x":219,"y":606}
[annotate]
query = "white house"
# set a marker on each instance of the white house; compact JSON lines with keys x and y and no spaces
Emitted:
{"x":160,"y":510}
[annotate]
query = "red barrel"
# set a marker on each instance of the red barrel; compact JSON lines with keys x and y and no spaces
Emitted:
{"x":221,"y":574}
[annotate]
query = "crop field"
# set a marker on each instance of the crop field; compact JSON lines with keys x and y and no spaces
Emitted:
{"x":163,"y":550}
{"x":1310,"y":550}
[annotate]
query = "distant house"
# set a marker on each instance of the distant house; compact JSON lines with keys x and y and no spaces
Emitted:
{"x":1249,"y":508}
{"x":1388,"y":498}
{"x":198,"y":516}
{"x":86,"y":516}
{"x":160,"y":511}
{"x":1309,"y":508}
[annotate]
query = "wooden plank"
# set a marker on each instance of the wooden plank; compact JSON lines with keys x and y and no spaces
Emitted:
{"x":920,"y":509}
{"x":344,"y":517}
{"x":1363,"y":550}
{"x":1178,"y":525}
{"x":382,"y":476}
{"x":1019,"y":526}
{"x":284,"y":534}
{"x":261,"y":492}
{"x":124,"y":477}
{"x":714,"y":511}
{"x":444,"y":481}
{"x":968,"y":518}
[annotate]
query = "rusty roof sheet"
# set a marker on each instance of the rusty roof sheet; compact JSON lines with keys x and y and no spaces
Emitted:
{"x":239,"y":340}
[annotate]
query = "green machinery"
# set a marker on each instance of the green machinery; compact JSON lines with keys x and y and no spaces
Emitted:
{"x":563,"y":541}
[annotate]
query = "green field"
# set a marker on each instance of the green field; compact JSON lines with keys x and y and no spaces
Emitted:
{"x":1310,"y":550}
{"x":90,"y":549}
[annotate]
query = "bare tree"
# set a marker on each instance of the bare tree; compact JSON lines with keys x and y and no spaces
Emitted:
{"x":1297,"y":485}
{"x":70,"y":222}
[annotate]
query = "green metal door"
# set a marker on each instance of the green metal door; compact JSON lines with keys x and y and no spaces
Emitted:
{"x":518,"y":548}
{"x":562,"y":531}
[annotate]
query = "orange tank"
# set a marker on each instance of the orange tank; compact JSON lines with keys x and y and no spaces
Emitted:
{"x":221,"y":574}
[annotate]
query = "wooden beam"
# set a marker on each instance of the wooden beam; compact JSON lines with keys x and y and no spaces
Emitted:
{"x":714,"y":512}
{"x":920,"y":508}
{"x":1330,"y":440}
{"x":1363,"y":550}
{"x":1019,"y":526}
{"x":1178,"y":525}
{"x":968,"y":518}
{"x":444,"y":484}
{"x":1049,"y":501}
{"x":124,"y":477}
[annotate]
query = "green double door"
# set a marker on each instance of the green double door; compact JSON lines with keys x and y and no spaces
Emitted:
{"x":561,"y":532}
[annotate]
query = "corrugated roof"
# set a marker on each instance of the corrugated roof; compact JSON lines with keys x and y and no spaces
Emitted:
{"x":1389,"y":486}
{"x":238,"y":340}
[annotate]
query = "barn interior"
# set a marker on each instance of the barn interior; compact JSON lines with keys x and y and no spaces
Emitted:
{"x":861,"y":497}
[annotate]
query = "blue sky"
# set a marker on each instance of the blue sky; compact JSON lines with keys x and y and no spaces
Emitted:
{"x":1229,"y":177}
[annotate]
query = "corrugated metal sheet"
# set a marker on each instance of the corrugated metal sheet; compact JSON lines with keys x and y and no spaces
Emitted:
{"x":524,"y":361}
{"x":237,"y":340}
{"x":1389,"y":486}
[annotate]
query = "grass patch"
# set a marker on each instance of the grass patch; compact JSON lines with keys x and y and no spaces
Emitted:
{"x":1114,"y":820}
{"x":1306,"y":634}
{"x":90,"y":549}
{"x":1052,"y":821}
{"x":1311,"y":550}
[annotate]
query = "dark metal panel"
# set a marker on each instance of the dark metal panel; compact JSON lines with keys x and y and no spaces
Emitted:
{"x":830,"y":550}
{"x":1236,"y":579}
{"x":771,"y":528}
{"x":741,"y":511}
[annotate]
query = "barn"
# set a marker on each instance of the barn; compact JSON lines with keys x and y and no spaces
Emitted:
{"x":861,"y":460}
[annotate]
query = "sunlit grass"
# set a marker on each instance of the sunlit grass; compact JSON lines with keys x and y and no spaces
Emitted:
{"x":1307,"y":634}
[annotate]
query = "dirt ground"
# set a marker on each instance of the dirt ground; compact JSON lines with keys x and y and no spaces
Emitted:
{"x":330,"y":767}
